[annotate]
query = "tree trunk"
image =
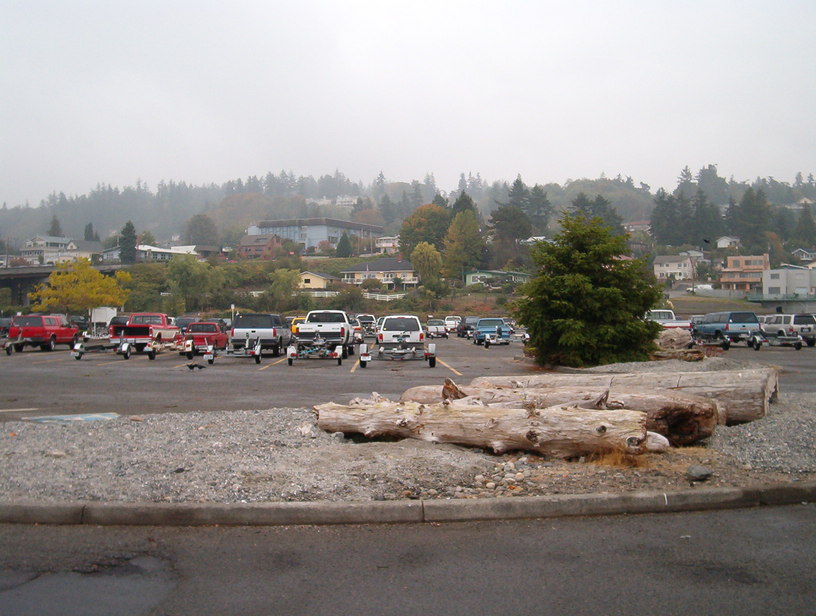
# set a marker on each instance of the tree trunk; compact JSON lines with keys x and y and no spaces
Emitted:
{"x":682,"y":418}
{"x":743,"y":395}
{"x":560,"y":431}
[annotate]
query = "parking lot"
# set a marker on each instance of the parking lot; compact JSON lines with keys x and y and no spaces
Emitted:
{"x":39,"y":383}
{"x":36,"y":383}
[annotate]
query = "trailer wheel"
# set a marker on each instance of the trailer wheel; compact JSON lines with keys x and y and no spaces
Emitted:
{"x":725,"y":345}
{"x":432,"y":362}
{"x":78,"y":356}
{"x":797,"y":346}
{"x":151,"y":355}
{"x":18,"y":348}
{"x":757,"y":345}
{"x":258,"y":359}
{"x":289,"y":361}
{"x":211,"y":361}
{"x":9,"y":349}
{"x":126,"y":353}
{"x":363,"y":364}
{"x":487,"y":343}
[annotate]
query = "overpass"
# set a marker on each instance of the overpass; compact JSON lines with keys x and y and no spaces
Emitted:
{"x":22,"y":280}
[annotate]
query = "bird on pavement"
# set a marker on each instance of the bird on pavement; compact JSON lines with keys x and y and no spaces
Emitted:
{"x":193,"y":366}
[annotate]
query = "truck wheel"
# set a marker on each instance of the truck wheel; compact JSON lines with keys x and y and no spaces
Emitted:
{"x":340,"y":360}
{"x":351,"y":350}
{"x":487,"y":343}
{"x":290,"y":361}
{"x":726,"y":344}
{"x":797,"y":346}
{"x":344,"y":353}
{"x":276,"y":349}
{"x":811,"y":342}
{"x":258,"y":359}
{"x":9,"y":349}
{"x":211,"y":361}
{"x":151,"y":355}
{"x":189,"y":356}
{"x":18,"y":348}
{"x":432,"y":362}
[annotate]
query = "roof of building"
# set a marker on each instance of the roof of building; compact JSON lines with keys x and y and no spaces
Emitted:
{"x":316,"y":222}
{"x":666,"y":259}
{"x":386,"y":264}
{"x":321,"y":275}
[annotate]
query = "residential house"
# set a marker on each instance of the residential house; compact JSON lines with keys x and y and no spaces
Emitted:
{"x":49,"y":250}
{"x":387,"y":244}
{"x":489,"y":277}
{"x":726,"y":241}
{"x":385,"y":269}
{"x":637,"y":225}
{"x":805,"y":256}
{"x":310,"y":233}
{"x":744,"y":272}
{"x":673,"y":267}
{"x":317,"y":280}
{"x":263,"y":246}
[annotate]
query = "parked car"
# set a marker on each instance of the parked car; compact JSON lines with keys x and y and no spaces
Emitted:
{"x":667,"y":319}
{"x":436,"y":328}
{"x":270,"y":329}
{"x":117,"y":324}
{"x":368,"y":323}
{"x":465,"y":327}
{"x":790,"y":325}
{"x":452,"y":322}
{"x":734,"y":326}
{"x":357,"y":331}
{"x":293,"y":323}
{"x":489,"y":331}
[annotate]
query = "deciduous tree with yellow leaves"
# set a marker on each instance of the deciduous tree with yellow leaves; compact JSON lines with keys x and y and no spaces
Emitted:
{"x":77,"y":287}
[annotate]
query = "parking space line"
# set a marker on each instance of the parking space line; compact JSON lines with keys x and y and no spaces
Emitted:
{"x":274,"y":363}
{"x":354,"y":367}
{"x":18,"y":410}
{"x":456,"y":372}
{"x":46,"y":361}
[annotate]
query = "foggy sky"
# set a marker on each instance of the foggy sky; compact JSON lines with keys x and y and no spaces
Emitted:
{"x":110,"y":91}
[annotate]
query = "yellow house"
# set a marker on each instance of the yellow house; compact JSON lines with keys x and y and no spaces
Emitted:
{"x":316,"y":280}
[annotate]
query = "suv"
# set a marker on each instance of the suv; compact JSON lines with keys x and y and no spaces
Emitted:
{"x":44,"y":331}
{"x":270,"y":329}
{"x":734,"y":326}
{"x":465,"y":327}
{"x":491,"y":331}
{"x":368,"y":323}
{"x":791,"y":325}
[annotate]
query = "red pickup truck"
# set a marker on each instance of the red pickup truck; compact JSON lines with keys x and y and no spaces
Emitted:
{"x":201,"y":335}
{"x":146,"y":330}
{"x":44,"y":331}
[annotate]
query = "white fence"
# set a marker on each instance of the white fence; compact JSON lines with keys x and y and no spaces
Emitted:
{"x":377,"y":296}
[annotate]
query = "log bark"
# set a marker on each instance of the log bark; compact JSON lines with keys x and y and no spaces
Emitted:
{"x":743,"y":395}
{"x":559,"y":431}
{"x":682,"y":418}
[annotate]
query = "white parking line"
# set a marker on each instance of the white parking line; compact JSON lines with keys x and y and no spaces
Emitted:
{"x":17,"y":410}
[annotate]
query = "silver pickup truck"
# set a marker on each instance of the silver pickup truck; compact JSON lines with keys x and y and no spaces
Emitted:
{"x":324,"y":328}
{"x":268,"y":330}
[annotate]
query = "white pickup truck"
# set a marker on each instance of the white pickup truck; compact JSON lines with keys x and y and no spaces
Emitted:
{"x":320,"y":334}
{"x":668,"y":319}
{"x":401,"y":336}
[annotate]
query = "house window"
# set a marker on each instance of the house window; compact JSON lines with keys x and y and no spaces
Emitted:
{"x":774,"y":276}
{"x":307,"y":281}
{"x":773,"y":290}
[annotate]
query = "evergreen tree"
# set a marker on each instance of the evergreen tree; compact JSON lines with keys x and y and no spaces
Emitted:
{"x":55,"y":229}
{"x":806,"y":228}
{"x":343,"y":247}
{"x":127,"y":244}
{"x":429,"y":223}
{"x":707,"y":221}
{"x":586,"y":306}
{"x":598,"y":208}
{"x":463,"y":203}
{"x":539,"y":209}
{"x":90,"y":234}
{"x":519,"y":195}
{"x":440,"y":200}
{"x":685,"y":184}
{"x":387,"y":209}
{"x":754,"y":221}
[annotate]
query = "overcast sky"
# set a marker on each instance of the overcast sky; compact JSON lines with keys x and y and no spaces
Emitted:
{"x":111,"y":91}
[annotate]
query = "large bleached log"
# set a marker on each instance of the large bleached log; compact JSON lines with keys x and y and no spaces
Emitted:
{"x":682,"y":418}
{"x":559,"y":431}
{"x":743,"y":395}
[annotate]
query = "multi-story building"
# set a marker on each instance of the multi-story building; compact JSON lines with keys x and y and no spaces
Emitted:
{"x":387,"y":270}
{"x":744,"y":272}
{"x":677,"y":267}
{"x":309,"y":233}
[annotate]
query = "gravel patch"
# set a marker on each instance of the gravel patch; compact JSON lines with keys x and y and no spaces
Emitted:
{"x":279,"y":455}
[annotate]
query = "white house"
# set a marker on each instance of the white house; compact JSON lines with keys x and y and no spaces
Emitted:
{"x":726,"y":241}
{"x":678,"y":267}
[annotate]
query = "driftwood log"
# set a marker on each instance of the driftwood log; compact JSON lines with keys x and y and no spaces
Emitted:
{"x":682,"y":418}
{"x":559,"y":431}
{"x":743,"y":395}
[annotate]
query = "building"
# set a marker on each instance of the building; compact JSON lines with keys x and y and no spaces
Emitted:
{"x":145,"y":253}
{"x":489,"y":277}
{"x":790,"y":288}
{"x":673,"y":267}
{"x":805,"y":256}
{"x":726,"y":241}
{"x":309,"y":233}
{"x":387,"y":244}
{"x":744,"y":272}
{"x":638,"y":226}
{"x":51,"y":250}
{"x":263,"y":246}
{"x":317,"y":280}
{"x":386,"y":269}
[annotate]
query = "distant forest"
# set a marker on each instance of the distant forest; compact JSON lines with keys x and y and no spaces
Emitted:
{"x":166,"y":211}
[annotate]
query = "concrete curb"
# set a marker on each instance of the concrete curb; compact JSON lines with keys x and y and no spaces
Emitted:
{"x":407,"y":511}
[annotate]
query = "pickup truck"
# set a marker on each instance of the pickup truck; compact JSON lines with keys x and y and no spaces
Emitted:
{"x":146,"y":330}
{"x":44,"y":331}
{"x":668,"y":319}
{"x":436,"y":328}
{"x":326,"y":327}
{"x":268,"y":330}
{"x":203,"y":337}
{"x":491,"y":331}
